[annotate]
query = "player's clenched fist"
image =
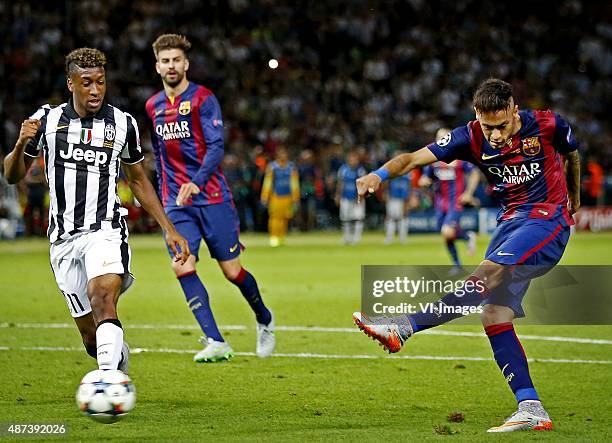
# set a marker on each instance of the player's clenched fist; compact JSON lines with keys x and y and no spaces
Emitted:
{"x":28,"y":129}
{"x":366,"y":185}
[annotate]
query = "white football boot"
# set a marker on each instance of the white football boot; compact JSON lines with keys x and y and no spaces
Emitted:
{"x":214,"y":351}
{"x":531,"y":416}
{"x":266,"y":338}
{"x":382,"y":329}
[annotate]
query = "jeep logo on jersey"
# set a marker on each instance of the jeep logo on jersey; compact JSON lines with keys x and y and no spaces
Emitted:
{"x":516,"y":174}
{"x":86,"y":136}
{"x":97,"y":158}
{"x":173,"y":130}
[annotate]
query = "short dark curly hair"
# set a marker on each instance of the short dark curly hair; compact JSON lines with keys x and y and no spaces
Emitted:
{"x":492,"y":95}
{"x":85,"y":58}
{"x":171,"y":41}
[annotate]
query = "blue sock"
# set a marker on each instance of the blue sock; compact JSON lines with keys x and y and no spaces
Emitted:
{"x":452,"y":250}
{"x":510,"y":358}
{"x":197,"y":299}
{"x":471,"y":294}
{"x":248,"y":286}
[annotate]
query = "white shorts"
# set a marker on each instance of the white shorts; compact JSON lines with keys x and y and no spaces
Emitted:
{"x":350,"y":210}
{"x":395,"y":209}
{"x":88,"y":255}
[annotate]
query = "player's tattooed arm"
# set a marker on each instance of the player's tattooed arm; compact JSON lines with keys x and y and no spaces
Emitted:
{"x":397,"y":166}
{"x":16,"y":164}
{"x":572,"y":174}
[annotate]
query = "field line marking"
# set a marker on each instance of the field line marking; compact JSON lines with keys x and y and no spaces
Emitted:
{"x":596,"y":341}
{"x":314,"y":355}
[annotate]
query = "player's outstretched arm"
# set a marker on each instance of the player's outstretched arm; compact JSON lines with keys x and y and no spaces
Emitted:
{"x":400,"y":165}
{"x":145,"y":193}
{"x":573,"y":180}
{"x":16,"y":164}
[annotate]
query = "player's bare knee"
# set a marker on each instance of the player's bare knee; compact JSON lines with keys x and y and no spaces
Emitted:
{"x":231,"y":273}
{"x":182,"y":269}
{"x":448,"y":233}
{"x":491,"y":273}
{"x":495,"y":314}
{"x":231,"y":269}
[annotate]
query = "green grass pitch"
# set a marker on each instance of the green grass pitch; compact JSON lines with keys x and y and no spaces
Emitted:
{"x":359,"y":395}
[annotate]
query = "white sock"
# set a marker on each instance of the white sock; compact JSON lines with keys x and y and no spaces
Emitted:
{"x":390,"y":231}
{"x":358,"y":231}
{"x":109,"y":338}
{"x":403,"y":229}
{"x":346,"y":231}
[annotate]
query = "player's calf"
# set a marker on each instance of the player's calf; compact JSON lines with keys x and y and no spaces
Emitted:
{"x":87,"y":329}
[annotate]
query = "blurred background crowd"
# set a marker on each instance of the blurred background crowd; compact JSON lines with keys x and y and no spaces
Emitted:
{"x":372,"y":76}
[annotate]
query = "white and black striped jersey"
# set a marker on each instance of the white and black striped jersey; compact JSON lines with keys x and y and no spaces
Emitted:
{"x":82,"y":165}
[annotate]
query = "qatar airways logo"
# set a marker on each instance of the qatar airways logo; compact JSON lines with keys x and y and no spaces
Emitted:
{"x":516,"y":174}
{"x":173,"y":130}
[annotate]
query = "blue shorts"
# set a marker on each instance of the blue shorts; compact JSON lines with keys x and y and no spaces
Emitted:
{"x":449,"y":218}
{"x":217,"y":224}
{"x":536,"y":243}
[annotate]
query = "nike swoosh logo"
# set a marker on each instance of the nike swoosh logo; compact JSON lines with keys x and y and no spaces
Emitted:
{"x":500,"y":253}
{"x":505,"y":366}
{"x":57,"y":128}
{"x":233,"y":248}
{"x":488,"y":157}
{"x":109,"y":263}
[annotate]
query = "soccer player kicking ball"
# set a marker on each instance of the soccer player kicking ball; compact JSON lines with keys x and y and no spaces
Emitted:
{"x":83,"y":142}
{"x":187,"y":142}
{"x":522,"y":154}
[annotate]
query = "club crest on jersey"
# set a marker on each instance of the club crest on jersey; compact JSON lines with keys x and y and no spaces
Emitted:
{"x":185,"y":107}
{"x":109,"y":136}
{"x":109,"y":132}
{"x":531,"y":146}
{"x":86,"y":136}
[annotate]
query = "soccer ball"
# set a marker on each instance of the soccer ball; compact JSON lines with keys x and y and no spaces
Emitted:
{"x":106,"y":396}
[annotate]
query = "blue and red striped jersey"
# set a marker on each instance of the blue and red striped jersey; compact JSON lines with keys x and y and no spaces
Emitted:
{"x":527,"y":174}
{"x":187,"y":139}
{"x":449,"y":182}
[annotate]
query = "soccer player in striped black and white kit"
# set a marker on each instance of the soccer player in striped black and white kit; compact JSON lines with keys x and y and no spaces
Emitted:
{"x":83,"y":143}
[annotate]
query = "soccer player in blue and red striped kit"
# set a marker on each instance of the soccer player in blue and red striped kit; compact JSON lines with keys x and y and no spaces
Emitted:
{"x":187,"y":141}
{"x":531,"y":159}
{"x":454,"y":184}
